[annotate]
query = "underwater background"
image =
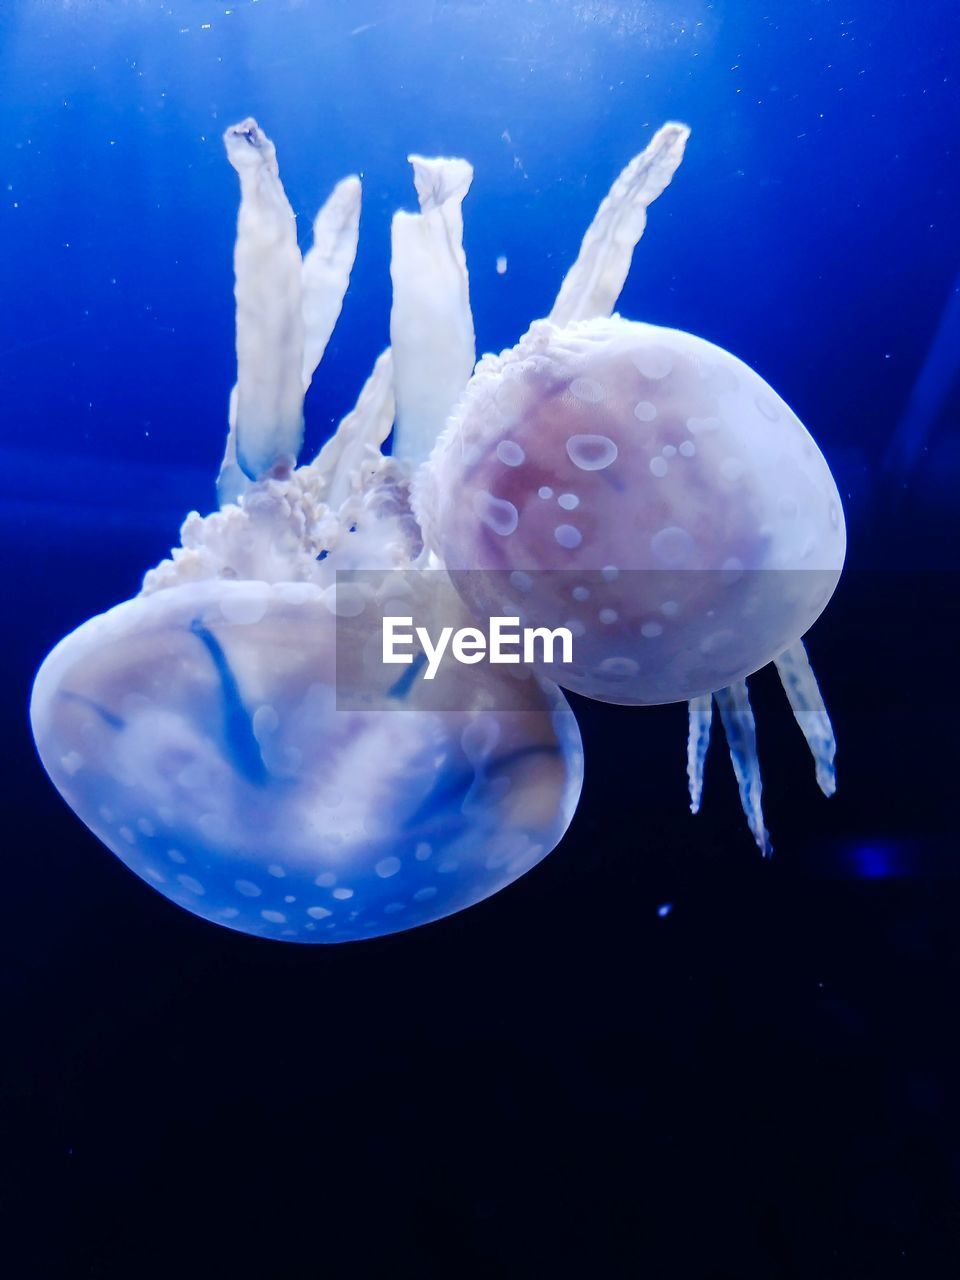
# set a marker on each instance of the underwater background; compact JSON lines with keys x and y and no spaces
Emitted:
{"x":656,"y":1053}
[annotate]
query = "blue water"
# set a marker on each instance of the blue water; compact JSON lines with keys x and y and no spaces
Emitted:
{"x":760,"y":1079}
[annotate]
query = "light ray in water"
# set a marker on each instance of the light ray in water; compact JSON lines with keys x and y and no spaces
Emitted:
{"x":935,"y":380}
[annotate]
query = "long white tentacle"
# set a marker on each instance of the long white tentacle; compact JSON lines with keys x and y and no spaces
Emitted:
{"x":593,"y":284}
{"x":806,"y":702}
{"x":741,"y":730}
{"x":431,"y":327}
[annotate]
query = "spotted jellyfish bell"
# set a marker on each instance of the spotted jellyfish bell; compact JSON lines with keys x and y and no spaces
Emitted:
{"x":224,"y":732}
{"x":648,"y":491}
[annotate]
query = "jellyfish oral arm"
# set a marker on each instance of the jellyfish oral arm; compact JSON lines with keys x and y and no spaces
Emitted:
{"x":741,"y":730}
{"x":698,"y":740}
{"x":326,"y":269}
{"x":593,"y":284}
{"x":431,"y":326}
{"x":806,"y":703}
{"x":286,"y":309}
{"x":339,"y":464}
{"x":270,"y":323}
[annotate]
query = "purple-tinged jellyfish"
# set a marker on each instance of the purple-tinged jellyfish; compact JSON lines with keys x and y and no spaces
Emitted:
{"x":648,"y":491}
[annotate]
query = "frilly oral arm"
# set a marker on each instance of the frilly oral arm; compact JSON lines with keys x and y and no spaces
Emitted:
{"x":269,"y":295}
{"x":592,"y":285}
{"x":326,"y":269}
{"x":431,"y":326}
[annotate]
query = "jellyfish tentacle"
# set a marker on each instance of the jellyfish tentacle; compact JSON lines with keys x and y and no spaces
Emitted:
{"x":701,"y":715}
{"x":340,"y":462}
{"x":326,"y":269}
{"x":593,"y":284}
{"x":270,"y":326}
{"x":431,"y":325}
{"x":806,"y":703}
{"x":740,"y":728}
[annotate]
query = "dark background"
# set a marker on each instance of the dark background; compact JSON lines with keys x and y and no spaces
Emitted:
{"x":761,"y":1081}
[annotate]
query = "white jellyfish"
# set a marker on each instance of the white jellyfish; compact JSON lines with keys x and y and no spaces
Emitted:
{"x":227,"y":733}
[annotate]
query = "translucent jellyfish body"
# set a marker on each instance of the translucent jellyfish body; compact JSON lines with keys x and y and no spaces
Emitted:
{"x":200,"y":733}
{"x":690,"y":528}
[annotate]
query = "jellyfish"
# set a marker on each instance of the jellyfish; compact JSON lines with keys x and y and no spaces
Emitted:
{"x":203,"y":730}
{"x":649,"y":491}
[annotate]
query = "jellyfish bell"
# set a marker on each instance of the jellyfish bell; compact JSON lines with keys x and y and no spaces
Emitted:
{"x":205,"y":734}
{"x":644,"y":488}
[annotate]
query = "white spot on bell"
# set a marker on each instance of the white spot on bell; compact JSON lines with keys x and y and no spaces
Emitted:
{"x":246,"y":606}
{"x":588,"y":390}
{"x":653,"y":363}
{"x":568,"y":536}
{"x":673,"y":547}
{"x":496,"y":513}
{"x":645,"y":410}
{"x":618,"y":668}
{"x":591,"y":453}
{"x":510,"y":453}
{"x":767,"y":407}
